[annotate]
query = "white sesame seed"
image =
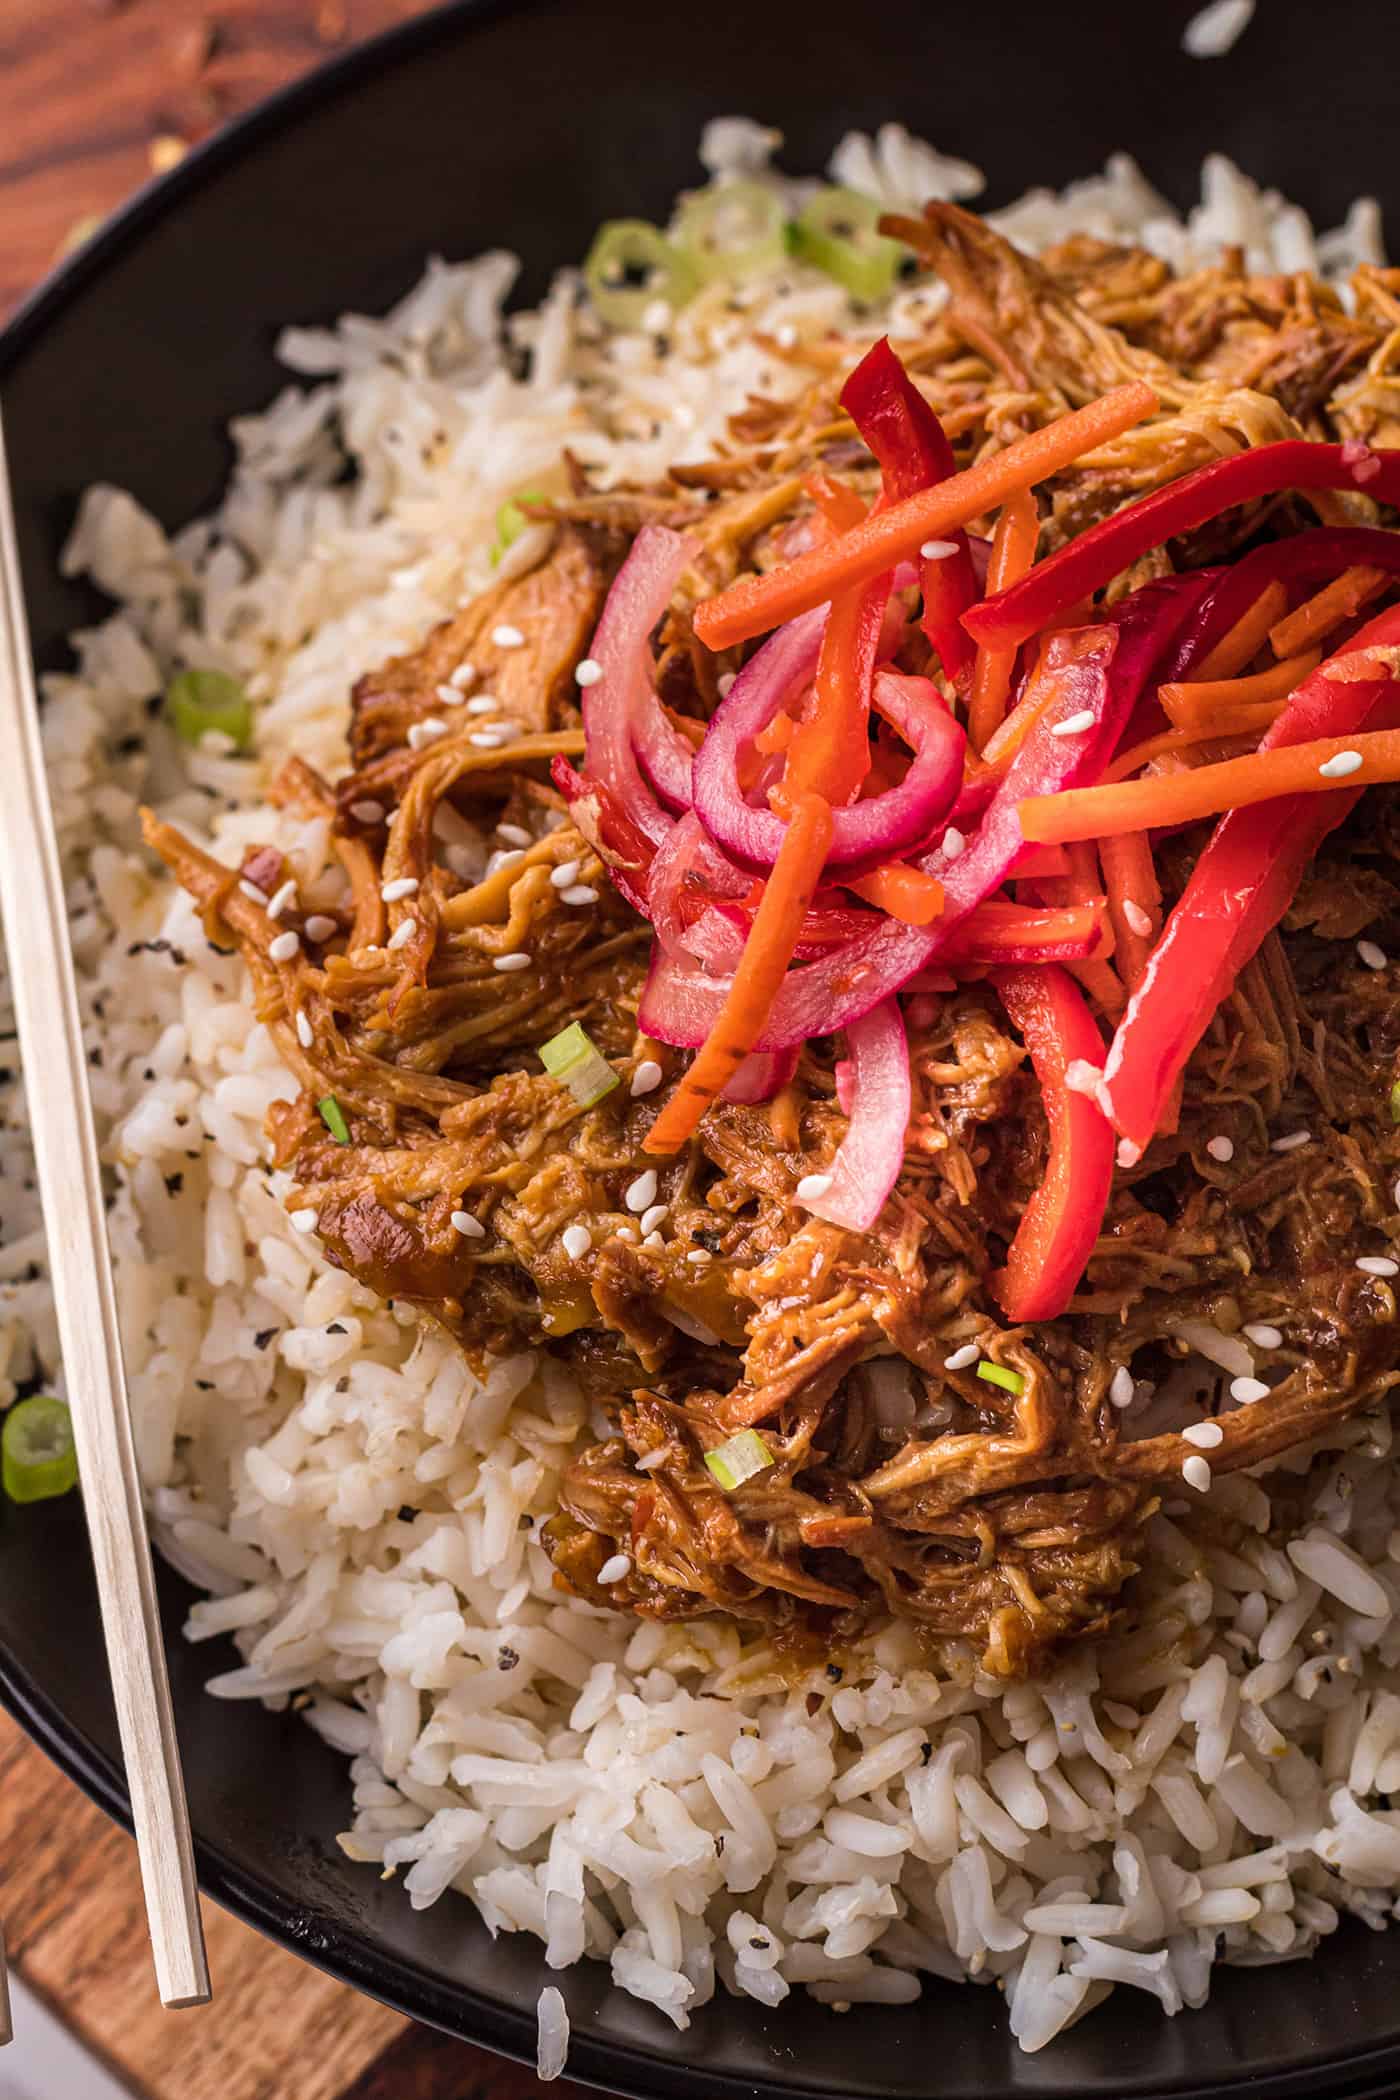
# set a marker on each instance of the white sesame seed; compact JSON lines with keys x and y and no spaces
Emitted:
{"x":1074,"y":725}
{"x":1338,"y":768}
{"x":486,"y":739}
{"x":1122,"y":1386}
{"x":1204,"y":1435}
{"x":306,"y":1034}
{"x":462,"y":676}
{"x":653,"y":1240}
{"x":1294,"y":1139}
{"x":588,"y":672}
{"x":786,"y":336}
{"x":303,"y":1220}
{"x":1139,"y":921}
{"x":579,"y":893}
{"x":565,"y":875}
{"x":1262,"y":1336}
{"x":1221,"y":1148}
{"x":1377,"y":1265}
{"x":1196,"y":1473}
{"x":367,"y":812}
{"x":284,"y":947}
{"x":953,"y":842}
{"x":962,"y":1358}
{"x":402,"y":886}
{"x":425,"y":732}
{"x":724,"y":684}
{"x":448,"y":695}
{"x":652,"y":1218}
{"x":280,"y":899}
{"x":507,"y":857}
{"x":628,"y":1231}
{"x":619,"y":1564}
{"x":484,"y":704}
{"x":642,"y":1193}
{"x":1248,"y":1390}
{"x":699,"y":1256}
{"x":217,"y":743}
{"x":1128,"y":1153}
{"x":517,"y":961}
{"x":402,"y":934}
{"x":252,"y":892}
{"x":507,"y":637}
{"x":470,"y":1228}
{"x":320,"y":926}
{"x":812,"y":1187}
{"x":1373,"y":957}
{"x":576,"y":1241}
{"x":514,"y":835}
{"x":646,"y":1079}
{"x":938,"y":550}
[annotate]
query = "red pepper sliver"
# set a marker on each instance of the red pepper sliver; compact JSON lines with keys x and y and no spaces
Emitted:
{"x":1239,"y":889}
{"x":1061,"y":1222}
{"x":912,"y":448}
{"x":1088,"y":563}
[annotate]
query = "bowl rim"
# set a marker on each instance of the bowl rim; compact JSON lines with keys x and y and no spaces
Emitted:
{"x":633,"y":2067}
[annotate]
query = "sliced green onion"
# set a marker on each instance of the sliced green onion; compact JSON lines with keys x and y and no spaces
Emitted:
{"x":1395,"y":1102}
{"x":573,"y":1057}
{"x":333,"y":1116}
{"x":734,"y":230}
{"x":739,"y":1459}
{"x":630,"y":265}
{"x":836,"y":232}
{"x":37,"y":1456}
{"x":511,"y":521}
{"x":1012,"y":1381}
{"x":198,"y":701}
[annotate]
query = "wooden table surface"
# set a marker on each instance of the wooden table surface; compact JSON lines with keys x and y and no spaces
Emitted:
{"x":94,"y":96}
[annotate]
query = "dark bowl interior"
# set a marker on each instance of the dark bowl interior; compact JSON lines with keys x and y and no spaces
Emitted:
{"x":524,"y":125}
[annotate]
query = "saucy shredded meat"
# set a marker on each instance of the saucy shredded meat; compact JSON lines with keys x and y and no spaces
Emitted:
{"x":474,"y":1187}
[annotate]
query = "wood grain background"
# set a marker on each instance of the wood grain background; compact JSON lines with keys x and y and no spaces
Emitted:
{"x":95,"y":97}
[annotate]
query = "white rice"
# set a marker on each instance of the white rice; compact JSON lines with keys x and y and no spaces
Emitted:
{"x":362,"y":1511}
{"x":1217,"y":28}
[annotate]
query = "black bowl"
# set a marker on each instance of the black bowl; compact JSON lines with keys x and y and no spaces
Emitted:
{"x":525,"y":125}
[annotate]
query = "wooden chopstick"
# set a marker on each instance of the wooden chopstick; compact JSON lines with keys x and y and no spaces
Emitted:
{"x":65,"y":1151}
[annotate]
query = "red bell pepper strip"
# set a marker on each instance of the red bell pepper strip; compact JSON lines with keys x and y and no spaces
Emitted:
{"x":1301,"y":562}
{"x":1061,"y":1222}
{"x":912,"y":448}
{"x":1101,"y":553}
{"x":1240,"y":888}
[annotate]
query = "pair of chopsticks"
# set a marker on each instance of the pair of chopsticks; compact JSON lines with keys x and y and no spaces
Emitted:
{"x":70,"y":1186}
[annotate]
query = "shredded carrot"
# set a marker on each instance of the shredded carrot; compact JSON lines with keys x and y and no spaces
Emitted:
{"x":1084,"y":885}
{"x":829,"y":752}
{"x":905,"y":893}
{"x":757,"y":977}
{"x":1013,"y":552}
{"x":1317,"y":616}
{"x":1248,"y":635}
{"x":777,"y":736}
{"x":1204,"y":791}
{"x":756,"y":603}
{"x":1196,"y":703}
{"x":839,"y":505}
{"x":1059,"y":653}
{"x":1189,"y":745}
{"x":1134,"y":894}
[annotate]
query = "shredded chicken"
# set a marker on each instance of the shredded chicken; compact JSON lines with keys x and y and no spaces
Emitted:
{"x":475,"y":1188}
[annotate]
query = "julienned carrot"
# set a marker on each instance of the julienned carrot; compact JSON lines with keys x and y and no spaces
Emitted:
{"x":1059,"y":656}
{"x":1194,"y":746}
{"x":829,"y":750}
{"x":1084,"y":885}
{"x":1134,"y":901}
{"x":1318,"y":615}
{"x":756,"y":603}
{"x":757,"y":977}
{"x":839,"y":505}
{"x":1183,"y":798}
{"x":1013,"y":551}
{"x":905,"y":893}
{"x":1247,"y":637}
{"x":1196,"y":703}
{"x":777,"y":736}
